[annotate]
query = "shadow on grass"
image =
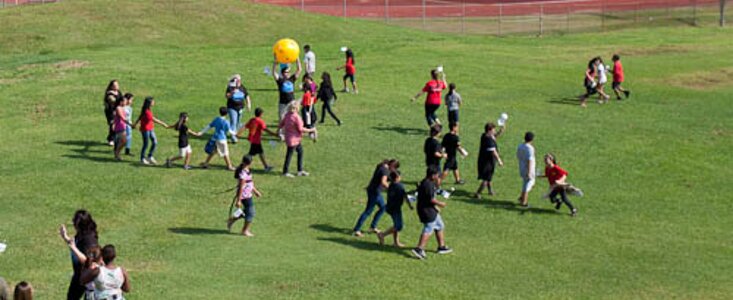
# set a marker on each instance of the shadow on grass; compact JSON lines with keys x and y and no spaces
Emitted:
{"x":330,"y":228}
{"x":361,"y":244}
{"x":197,"y":231}
{"x":403,"y":130}
{"x":566,"y":101}
{"x":507,"y":205}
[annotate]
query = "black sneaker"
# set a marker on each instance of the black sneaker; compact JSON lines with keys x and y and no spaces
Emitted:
{"x":460,"y":182}
{"x":444,"y":250}
{"x":419,"y":253}
{"x":627,"y":94}
{"x":558,"y":204}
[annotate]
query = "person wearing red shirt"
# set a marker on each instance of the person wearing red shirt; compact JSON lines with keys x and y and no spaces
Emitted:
{"x":308,"y":111}
{"x":556,"y":177}
{"x":256,"y":126}
{"x":618,"y":78}
{"x":147,"y":123}
{"x":433,"y":88}
{"x":350,"y":70}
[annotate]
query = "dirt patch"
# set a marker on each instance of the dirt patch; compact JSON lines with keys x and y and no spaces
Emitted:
{"x":664,"y":49}
{"x":71,"y":64}
{"x":705,"y":80}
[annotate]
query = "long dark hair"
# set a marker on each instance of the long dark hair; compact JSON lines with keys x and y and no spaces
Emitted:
{"x":146,"y":105}
{"x":110,"y":85}
{"x":350,"y":54}
{"x":181,"y":120}
{"x":451,"y":88}
{"x":326,"y":77}
{"x":93,"y":254}
{"x":84,"y":223}
{"x":246,"y":161}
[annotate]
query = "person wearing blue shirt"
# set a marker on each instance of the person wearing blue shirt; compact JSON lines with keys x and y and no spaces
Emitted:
{"x":218,"y":141}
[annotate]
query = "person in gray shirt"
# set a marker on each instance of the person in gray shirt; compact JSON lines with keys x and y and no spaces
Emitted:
{"x":526,"y":158}
{"x":453,"y":102}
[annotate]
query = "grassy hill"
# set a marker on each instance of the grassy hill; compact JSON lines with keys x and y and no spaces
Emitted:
{"x":655,"y":222}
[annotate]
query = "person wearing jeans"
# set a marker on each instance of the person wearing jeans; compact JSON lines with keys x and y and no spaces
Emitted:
{"x":556,"y":178}
{"x":378,"y":183}
{"x":147,"y":122}
{"x":293,"y":130}
{"x":236,"y":95}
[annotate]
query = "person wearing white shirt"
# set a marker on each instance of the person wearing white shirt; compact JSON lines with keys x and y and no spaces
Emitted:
{"x":310,"y":61}
{"x":602,"y":79}
{"x":526,"y":158}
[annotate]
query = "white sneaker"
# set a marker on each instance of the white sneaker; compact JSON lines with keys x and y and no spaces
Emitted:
{"x":303,"y":173}
{"x":144,"y":161}
{"x":288,"y":175}
{"x":152,"y":161}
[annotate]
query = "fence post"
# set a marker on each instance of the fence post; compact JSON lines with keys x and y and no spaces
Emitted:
{"x":423,"y":14}
{"x":344,"y":8}
{"x":636,"y":14}
{"x":542,"y":12}
{"x":463,"y":16}
{"x":302,"y":5}
{"x":386,"y":11}
{"x":603,"y":16}
{"x":694,"y":12}
{"x":501,"y":8}
{"x":567,"y":20}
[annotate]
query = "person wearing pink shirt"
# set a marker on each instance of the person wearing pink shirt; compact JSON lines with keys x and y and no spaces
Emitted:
{"x":293,"y":130}
{"x":433,"y":88}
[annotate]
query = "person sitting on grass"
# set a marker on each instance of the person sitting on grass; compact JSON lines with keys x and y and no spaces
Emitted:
{"x":218,"y":141}
{"x":256,"y":126}
{"x":184,"y":149}
{"x":429,"y":215}
{"x":246,"y":191}
{"x":396,"y":195}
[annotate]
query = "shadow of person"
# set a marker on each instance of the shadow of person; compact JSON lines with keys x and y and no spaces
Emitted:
{"x":403,"y":130}
{"x":361,"y":244}
{"x":330,"y":228}
{"x":197,"y":231}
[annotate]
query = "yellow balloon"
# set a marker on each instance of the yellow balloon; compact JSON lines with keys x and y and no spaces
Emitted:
{"x":286,"y":51}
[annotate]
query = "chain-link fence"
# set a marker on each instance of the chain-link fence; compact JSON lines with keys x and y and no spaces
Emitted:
{"x":8,"y":3}
{"x":502,"y":17}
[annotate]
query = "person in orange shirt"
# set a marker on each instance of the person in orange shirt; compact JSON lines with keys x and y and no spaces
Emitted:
{"x":256,"y":126}
{"x":350,"y":70}
{"x":307,"y":103}
{"x":618,"y":78}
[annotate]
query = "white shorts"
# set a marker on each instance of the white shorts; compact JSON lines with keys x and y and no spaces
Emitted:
{"x":222,"y":148}
{"x":527,"y":184}
{"x":182,"y":152}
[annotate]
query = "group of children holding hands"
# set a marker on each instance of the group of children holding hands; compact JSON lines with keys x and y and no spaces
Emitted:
{"x":595,"y":80}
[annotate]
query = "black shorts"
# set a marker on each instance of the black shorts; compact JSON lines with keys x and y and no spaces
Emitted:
{"x":589,"y":88}
{"x":452,"y":117}
{"x":350,"y":76}
{"x":450,"y":164}
{"x":436,"y":167}
{"x":486,"y":171}
{"x":255,"y":149}
{"x":616,"y":85}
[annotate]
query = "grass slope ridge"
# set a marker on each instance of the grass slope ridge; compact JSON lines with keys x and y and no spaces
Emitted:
{"x":654,"y":224}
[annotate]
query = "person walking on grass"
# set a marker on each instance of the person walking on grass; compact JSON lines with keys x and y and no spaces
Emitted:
{"x":292,"y":128}
{"x":527,"y":163}
{"x":488,"y":157}
{"x":350,"y":71}
{"x":378,"y":183}
{"x":589,"y":82}
{"x":184,"y":148}
{"x":328,"y":97}
{"x":256,"y":126}
{"x":111,"y":95}
{"x":453,"y":101}
{"x":110,"y":281}
{"x":451,"y":143}
{"x":556,"y":177}
{"x":429,"y":215}
{"x":602,"y":79}
{"x":433,"y":149}
{"x":618,"y":78}
{"x":237,"y":96}
{"x":147,"y":125}
{"x":310,"y":60}
{"x":285,"y":86}
{"x":246,"y":191}
{"x":433,"y":88}
{"x":120,"y":123}
{"x":218,"y":141}
{"x":129,"y":101}
{"x":396,"y":195}
{"x":307,"y":103}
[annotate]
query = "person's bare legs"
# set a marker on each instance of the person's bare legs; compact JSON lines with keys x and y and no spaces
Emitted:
{"x":229,"y":163}
{"x":457,"y":175}
{"x":382,"y":234}
{"x":118,"y":147}
{"x":353,"y":85}
{"x":208,"y":159}
{"x":480,"y":190}
{"x":397,"y":240}
{"x":264,"y":162}
{"x":523,"y":198}
{"x":423,"y":240}
{"x":440,"y":237}
{"x":246,"y":229}
{"x":188,"y":159}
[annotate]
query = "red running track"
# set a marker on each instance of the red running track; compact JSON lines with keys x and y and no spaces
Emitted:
{"x":475,"y":8}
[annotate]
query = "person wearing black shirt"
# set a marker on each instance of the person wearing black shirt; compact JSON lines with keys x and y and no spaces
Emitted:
{"x":112,"y":95}
{"x":429,"y":215}
{"x":327,"y":96}
{"x":85,"y":238}
{"x":236,"y":95}
{"x":285,"y":85}
{"x":432,"y":148}
{"x":184,"y":149}
{"x":451,"y":143}
{"x":395,"y":197}
{"x":378,"y":183}
{"x":488,"y":157}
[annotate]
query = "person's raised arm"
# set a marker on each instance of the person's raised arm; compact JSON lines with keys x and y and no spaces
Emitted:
{"x":249,"y":103}
{"x":297,"y":68}
{"x":72,"y":245}
{"x":275,"y":69}
{"x":501,"y":130}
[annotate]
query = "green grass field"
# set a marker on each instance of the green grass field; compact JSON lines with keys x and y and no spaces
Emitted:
{"x":655,"y":221}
